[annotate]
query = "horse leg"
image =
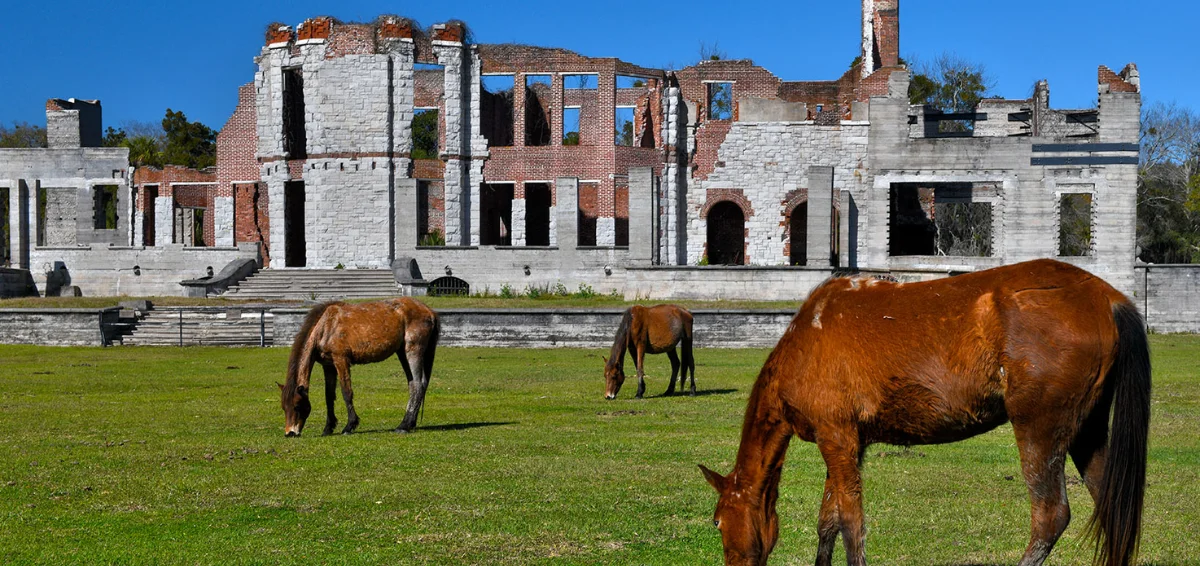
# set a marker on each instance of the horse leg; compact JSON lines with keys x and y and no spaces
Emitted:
{"x":674,"y":370}
{"x":841,"y":508}
{"x":1089,"y":449}
{"x":689,"y":364}
{"x":343,"y":370}
{"x":1043,"y":458}
{"x":417,"y":384}
{"x":331,"y":379}
{"x":640,"y":358}
{"x":827,"y":525}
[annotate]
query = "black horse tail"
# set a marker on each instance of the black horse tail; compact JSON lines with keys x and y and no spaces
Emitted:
{"x":301,"y":345}
{"x":1117,"y":520}
{"x":427,"y":357}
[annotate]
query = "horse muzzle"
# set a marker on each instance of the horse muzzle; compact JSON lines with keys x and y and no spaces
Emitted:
{"x":291,"y":434}
{"x":610,"y":396}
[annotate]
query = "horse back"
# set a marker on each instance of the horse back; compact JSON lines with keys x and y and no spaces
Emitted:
{"x":660,"y":328}
{"x":938,"y":361}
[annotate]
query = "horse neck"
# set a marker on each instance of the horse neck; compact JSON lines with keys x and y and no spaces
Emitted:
{"x":616,"y":355}
{"x":765,"y":437}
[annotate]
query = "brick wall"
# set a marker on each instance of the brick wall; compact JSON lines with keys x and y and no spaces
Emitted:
{"x":236,"y":145}
{"x":168,"y":182}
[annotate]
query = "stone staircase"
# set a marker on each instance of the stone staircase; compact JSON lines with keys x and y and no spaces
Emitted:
{"x":203,"y":326}
{"x":316,"y":285}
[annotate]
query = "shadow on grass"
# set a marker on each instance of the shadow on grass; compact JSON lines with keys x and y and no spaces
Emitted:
{"x":440,"y":428}
{"x":699,"y":393}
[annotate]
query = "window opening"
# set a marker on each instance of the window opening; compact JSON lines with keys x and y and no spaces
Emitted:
{"x":495,"y":204}
{"x":571,"y":126}
{"x":104,"y":207}
{"x":537,"y":109}
{"x":1075,"y":225}
{"x":537,"y":214}
{"x":496,"y":109}
{"x":720,"y":101}
{"x":623,"y":120}
{"x":425,"y":133}
{"x":294,"y":138}
{"x":726,"y":234}
{"x":945,"y":219}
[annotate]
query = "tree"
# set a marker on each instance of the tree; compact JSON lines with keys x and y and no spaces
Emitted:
{"x":114,"y":138}
{"x":425,"y":135}
{"x":1168,"y":207}
{"x":951,"y":85}
{"x":22,"y":135}
{"x":190,"y":144}
{"x":712,"y":52}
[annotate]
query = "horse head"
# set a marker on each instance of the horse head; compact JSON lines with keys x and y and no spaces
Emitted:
{"x":614,"y":377}
{"x":747,"y":520}
{"x":295,"y":408}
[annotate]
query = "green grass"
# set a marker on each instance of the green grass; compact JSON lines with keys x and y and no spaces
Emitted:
{"x":148,"y":455}
{"x":471,"y":302}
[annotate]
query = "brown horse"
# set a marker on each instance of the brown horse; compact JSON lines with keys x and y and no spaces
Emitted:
{"x":1043,"y":344}
{"x":650,"y":330}
{"x":337,"y":335}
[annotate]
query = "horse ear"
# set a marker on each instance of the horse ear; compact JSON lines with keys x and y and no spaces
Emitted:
{"x":605,"y":360}
{"x":280,"y":385}
{"x":714,"y":479}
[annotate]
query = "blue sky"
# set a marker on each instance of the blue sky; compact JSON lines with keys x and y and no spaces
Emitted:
{"x":141,"y":57}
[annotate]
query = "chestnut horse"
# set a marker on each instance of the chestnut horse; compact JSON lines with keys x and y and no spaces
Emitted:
{"x":1042,"y":344}
{"x":337,"y":335}
{"x":650,"y":330}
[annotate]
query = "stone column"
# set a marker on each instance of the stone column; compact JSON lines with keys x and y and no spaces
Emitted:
{"x":406,"y":217}
{"x":820,"y":216}
{"x":223,"y":222}
{"x":457,"y":197}
{"x":518,"y":222}
{"x":642,"y":239}
{"x":566,"y":190}
{"x":848,"y":231}
{"x":164,"y":220}
{"x":138,"y":217}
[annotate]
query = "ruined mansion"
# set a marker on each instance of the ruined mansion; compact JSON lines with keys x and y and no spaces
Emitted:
{"x":379,"y":146}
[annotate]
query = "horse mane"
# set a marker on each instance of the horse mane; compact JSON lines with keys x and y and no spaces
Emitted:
{"x":294,"y":361}
{"x":616,"y":355}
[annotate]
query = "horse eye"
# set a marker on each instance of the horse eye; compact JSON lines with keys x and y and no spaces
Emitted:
{"x":717,"y":523}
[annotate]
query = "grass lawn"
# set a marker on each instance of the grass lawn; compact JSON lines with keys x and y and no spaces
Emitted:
{"x":177,"y":455}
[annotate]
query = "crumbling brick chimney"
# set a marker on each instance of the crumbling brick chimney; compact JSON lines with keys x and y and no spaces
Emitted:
{"x":73,"y":123}
{"x":881,"y":35}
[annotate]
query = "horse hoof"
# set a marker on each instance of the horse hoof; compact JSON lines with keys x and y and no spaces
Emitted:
{"x":328,"y":432}
{"x":402,"y":430}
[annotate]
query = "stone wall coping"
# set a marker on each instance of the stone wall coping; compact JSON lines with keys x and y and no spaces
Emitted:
{"x":1167,"y":266}
{"x":46,"y":310}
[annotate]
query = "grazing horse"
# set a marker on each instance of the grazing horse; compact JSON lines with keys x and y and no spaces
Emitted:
{"x":1042,"y":344}
{"x":337,"y":335}
{"x":650,"y":330}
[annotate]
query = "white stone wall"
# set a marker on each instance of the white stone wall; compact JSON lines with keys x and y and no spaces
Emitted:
{"x":346,"y":214}
{"x":62,"y":208}
{"x":346,"y":105}
{"x":223,"y":221}
{"x":766,"y":161}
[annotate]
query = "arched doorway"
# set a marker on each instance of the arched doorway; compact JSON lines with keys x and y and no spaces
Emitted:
{"x":726,"y":234}
{"x":798,"y":235}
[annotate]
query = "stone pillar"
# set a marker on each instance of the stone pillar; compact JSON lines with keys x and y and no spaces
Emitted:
{"x":164,"y":220}
{"x":848,"y":231}
{"x":673,"y":198}
{"x":820,"y":216}
{"x":642,"y":239}
{"x":18,"y":223}
{"x":457,"y":196}
{"x":606,"y":231}
{"x":139,"y":218}
{"x":406,"y":218}
{"x":29,"y":222}
{"x":223,"y":222}
{"x":518,"y":222}
{"x":566,"y":190}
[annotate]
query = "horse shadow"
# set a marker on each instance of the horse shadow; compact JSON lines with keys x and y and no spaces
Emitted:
{"x":442,"y":428}
{"x":699,"y":393}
